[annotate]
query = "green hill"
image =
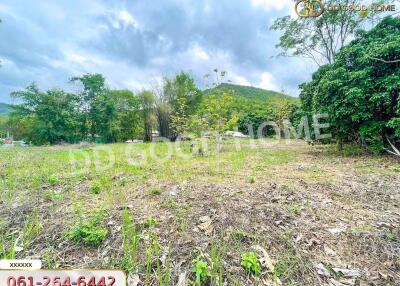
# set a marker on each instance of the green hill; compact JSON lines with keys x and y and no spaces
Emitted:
{"x":5,"y":108}
{"x":254,"y":93}
{"x":250,"y":98}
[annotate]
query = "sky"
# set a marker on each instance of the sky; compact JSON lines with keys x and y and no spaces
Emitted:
{"x":136,"y":43}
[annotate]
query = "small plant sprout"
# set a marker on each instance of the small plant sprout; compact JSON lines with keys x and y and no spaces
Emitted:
{"x":95,"y":188}
{"x":53,"y":180}
{"x":155,"y":191}
{"x":201,"y":270}
{"x":250,"y":263}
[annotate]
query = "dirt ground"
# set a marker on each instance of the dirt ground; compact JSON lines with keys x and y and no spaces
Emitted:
{"x":313,"y":216}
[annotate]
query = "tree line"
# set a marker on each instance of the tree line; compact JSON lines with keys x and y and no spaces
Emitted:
{"x":176,"y":107}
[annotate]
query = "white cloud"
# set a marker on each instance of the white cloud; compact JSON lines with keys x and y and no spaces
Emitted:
{"x":198,"y":53}
{"x":237,"y":79}
{"x":123,"y":19}
{"x":127,"y":18}
{"x":273,"y":4}
{"x":268,"y":82}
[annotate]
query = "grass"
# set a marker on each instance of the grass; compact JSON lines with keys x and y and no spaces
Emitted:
{"x":130,"y":240}
{"x":52,"y":196}
{"x":154,"y":191}
{"x":267,"y":195}
{"x":7,"y":250}
{"x":32,"y":228}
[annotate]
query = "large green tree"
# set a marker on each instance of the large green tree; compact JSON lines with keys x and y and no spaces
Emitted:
{"x":360,"y":90}
{"x":128,"y":120}
{"x":93,"y":91}
{"x":176,"y":101}
{"x":51,"y":116}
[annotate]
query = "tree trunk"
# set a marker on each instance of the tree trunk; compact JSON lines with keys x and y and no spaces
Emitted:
{"x":340,"y":144}
{"x":147,"y":131}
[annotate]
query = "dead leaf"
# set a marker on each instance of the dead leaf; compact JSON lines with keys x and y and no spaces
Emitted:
{"x":132,"y":280}
{"x":329,"y":251}
{"x":264,"y":259}
{"x":333,"y":282}
{"x":182,"y":279}
{"x":298,"y":238}
{"x":321,"y":270}
{"x":206,"y":224}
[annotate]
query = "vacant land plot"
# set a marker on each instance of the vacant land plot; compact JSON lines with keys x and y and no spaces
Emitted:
{"x":312,"y":216}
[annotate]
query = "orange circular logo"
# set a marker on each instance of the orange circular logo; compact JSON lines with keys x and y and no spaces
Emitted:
{"x":309,"y":8}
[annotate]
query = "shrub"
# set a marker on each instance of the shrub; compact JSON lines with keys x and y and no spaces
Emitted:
{"x":251,"y":263}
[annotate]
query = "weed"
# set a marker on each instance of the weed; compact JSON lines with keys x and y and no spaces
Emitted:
{"x":352,"y":150}
{"x":294,"y":208}
{"x":287,"y":236}
{"x":364,"y":228}
{"x":182,"y":215}
{"x":123,"y":181}
{"x":52,"y":196}
{"x":154,"y":191}
{"x":7,"y":250}
{"x":53,"y":180}
{"x":241,"y":236}
{"x":169,"y":204}
{"x":250,"y":263}
{"x":37,"y":181}
{"x":32,"y":228}
{"x":251,"y":180}
{"x":289,"y":266}
{"x":90,"y":231}
{"x":149,"y":223}
{"x":49,"y":258}
{"x":216,"y":266}
{"x":153,"y":252}
{"x":106,"y":184}
{"x":95,"y":188}
{"x":130,"y":239}
{"x":390,"y":236}
{"x":149,"y":262}
{"x":201,"y":270}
